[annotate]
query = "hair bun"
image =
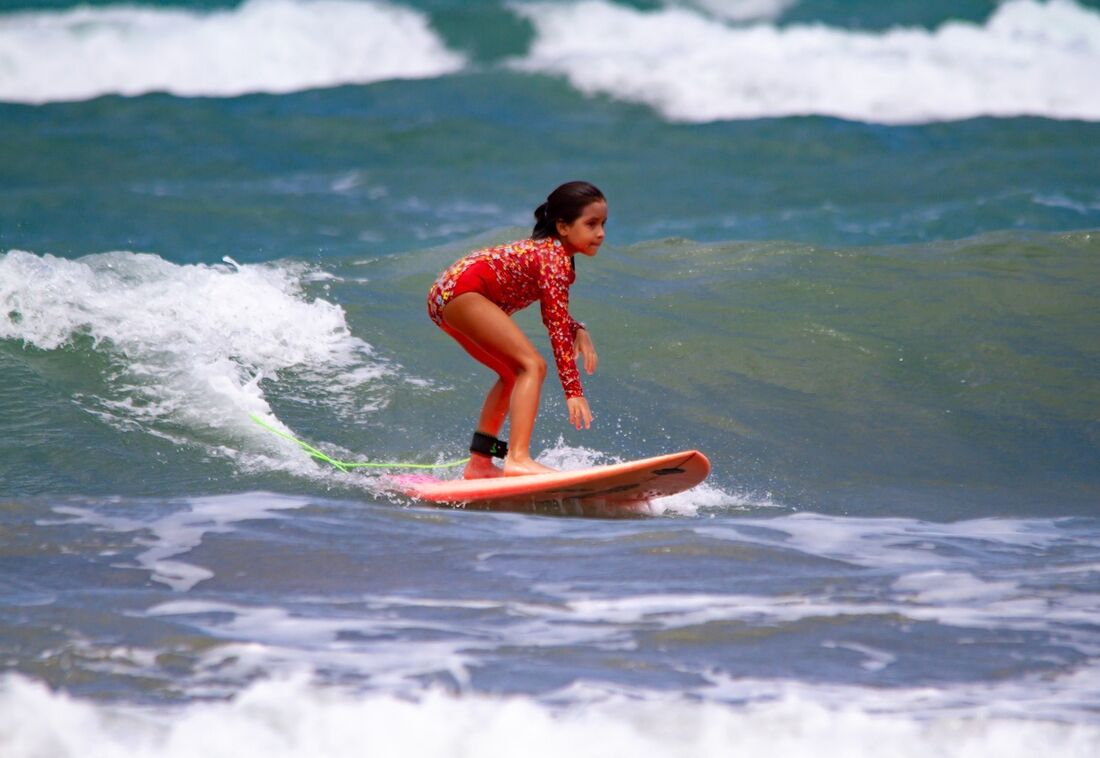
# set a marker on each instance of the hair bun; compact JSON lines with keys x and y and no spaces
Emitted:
{"x":563,"y":204}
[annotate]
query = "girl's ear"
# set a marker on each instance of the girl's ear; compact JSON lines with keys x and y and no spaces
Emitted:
{"x":562,"y":228}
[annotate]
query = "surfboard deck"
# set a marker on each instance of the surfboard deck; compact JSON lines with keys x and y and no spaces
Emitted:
{"x":600,"y":489}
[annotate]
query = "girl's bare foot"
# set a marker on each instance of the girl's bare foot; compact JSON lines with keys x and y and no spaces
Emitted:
{"x":481,"y":467}
{"x":524,"y":467}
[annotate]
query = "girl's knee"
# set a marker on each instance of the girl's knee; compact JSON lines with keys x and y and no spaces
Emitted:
{"x":534,"y":364}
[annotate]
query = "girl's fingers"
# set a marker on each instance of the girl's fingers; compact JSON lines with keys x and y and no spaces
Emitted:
{"x":583,"y":347}
{"x":580,"y":416}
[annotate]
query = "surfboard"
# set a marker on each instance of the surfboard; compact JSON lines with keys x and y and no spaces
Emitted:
{"x":595,"y":490}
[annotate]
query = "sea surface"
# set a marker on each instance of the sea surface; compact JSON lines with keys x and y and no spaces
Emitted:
{"x":853,"y":256}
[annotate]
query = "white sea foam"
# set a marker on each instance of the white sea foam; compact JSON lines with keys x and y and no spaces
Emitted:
{"x":189,"y":344}
{"x":365,"y":644}
{"x":179,"y":531}
{"x":707,"y":497}
{"x":271,"y":46}
{"x":1028,"y":58}
{"x":291,"y":717}
{"x":874,"y":658}
{"x":738,"y":10}
{"x":894,"y":543}
{"x":565,"y":457}
{"x":1001,"y":605}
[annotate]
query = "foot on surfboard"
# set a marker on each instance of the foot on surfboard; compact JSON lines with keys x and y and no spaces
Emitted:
{"x":525,"y":467}
{"x":481,"y":467}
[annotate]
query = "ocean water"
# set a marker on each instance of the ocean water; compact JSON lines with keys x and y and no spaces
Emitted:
{"x":853,"y":255}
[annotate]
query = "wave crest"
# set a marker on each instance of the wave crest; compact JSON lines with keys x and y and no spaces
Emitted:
{"x":272,"y":46}
{"x":184,"y":346}
{"x":1029,"y":58}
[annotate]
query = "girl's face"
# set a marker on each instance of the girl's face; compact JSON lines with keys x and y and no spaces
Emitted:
{"x":585,"y":233}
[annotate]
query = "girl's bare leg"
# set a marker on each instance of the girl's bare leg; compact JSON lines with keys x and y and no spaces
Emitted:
{"x":492,"y":338}
{"x":493,"y":410}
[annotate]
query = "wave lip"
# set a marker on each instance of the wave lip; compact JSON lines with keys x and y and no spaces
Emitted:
{"x":1029,"y":58}
{"x":269,"y":46}
{"x":185,"y":345}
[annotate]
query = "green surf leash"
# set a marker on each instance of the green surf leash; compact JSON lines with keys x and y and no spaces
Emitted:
{"x":347,"y":466}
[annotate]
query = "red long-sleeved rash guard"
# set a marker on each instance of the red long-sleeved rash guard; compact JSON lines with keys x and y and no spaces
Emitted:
{"x":525,"y":271}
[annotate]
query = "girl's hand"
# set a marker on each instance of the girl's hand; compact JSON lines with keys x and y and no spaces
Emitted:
{"x":583,"y":347}
{"x":579,"y":412}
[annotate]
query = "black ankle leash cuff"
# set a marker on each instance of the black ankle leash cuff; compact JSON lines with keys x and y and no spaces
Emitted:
{"x":488,"y":445}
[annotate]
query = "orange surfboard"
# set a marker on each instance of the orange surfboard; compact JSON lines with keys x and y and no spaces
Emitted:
{"x":600,"y":490}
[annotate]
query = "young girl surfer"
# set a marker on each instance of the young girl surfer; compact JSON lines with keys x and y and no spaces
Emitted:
{"x":473,"y":299}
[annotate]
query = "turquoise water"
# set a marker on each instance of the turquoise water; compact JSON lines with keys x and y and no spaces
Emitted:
{"x":876,"y":314}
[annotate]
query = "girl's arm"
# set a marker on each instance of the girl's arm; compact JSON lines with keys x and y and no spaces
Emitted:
{"x":559,"y":326}
{"x":567,"y":336}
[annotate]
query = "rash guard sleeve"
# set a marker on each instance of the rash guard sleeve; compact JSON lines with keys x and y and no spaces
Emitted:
{"x":561,"y":327}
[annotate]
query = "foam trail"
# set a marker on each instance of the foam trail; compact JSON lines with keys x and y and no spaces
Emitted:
{"x":1028,"y":58}
{"x":272,"y":46}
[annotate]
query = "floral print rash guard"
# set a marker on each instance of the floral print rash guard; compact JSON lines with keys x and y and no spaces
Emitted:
{"x":526,"y":271}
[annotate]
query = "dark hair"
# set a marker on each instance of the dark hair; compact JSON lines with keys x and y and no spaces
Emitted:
{"x":564,"y":204}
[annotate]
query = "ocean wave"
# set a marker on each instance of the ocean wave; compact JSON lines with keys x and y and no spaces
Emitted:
{"x":186,"y":346}
{"x":291,"y":717}
{"x":272,"y":46}
{"x":690,"y":60}
{"x":1028,"y":58}
{"x":988,"y":590}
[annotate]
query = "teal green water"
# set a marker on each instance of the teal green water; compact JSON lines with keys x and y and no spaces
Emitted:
{"x":394,"y":167}
{"x":942,"y":379}
{"x":839,"y":360}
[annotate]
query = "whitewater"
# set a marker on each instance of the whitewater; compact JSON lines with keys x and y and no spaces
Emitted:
{"x":690,"y":62}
